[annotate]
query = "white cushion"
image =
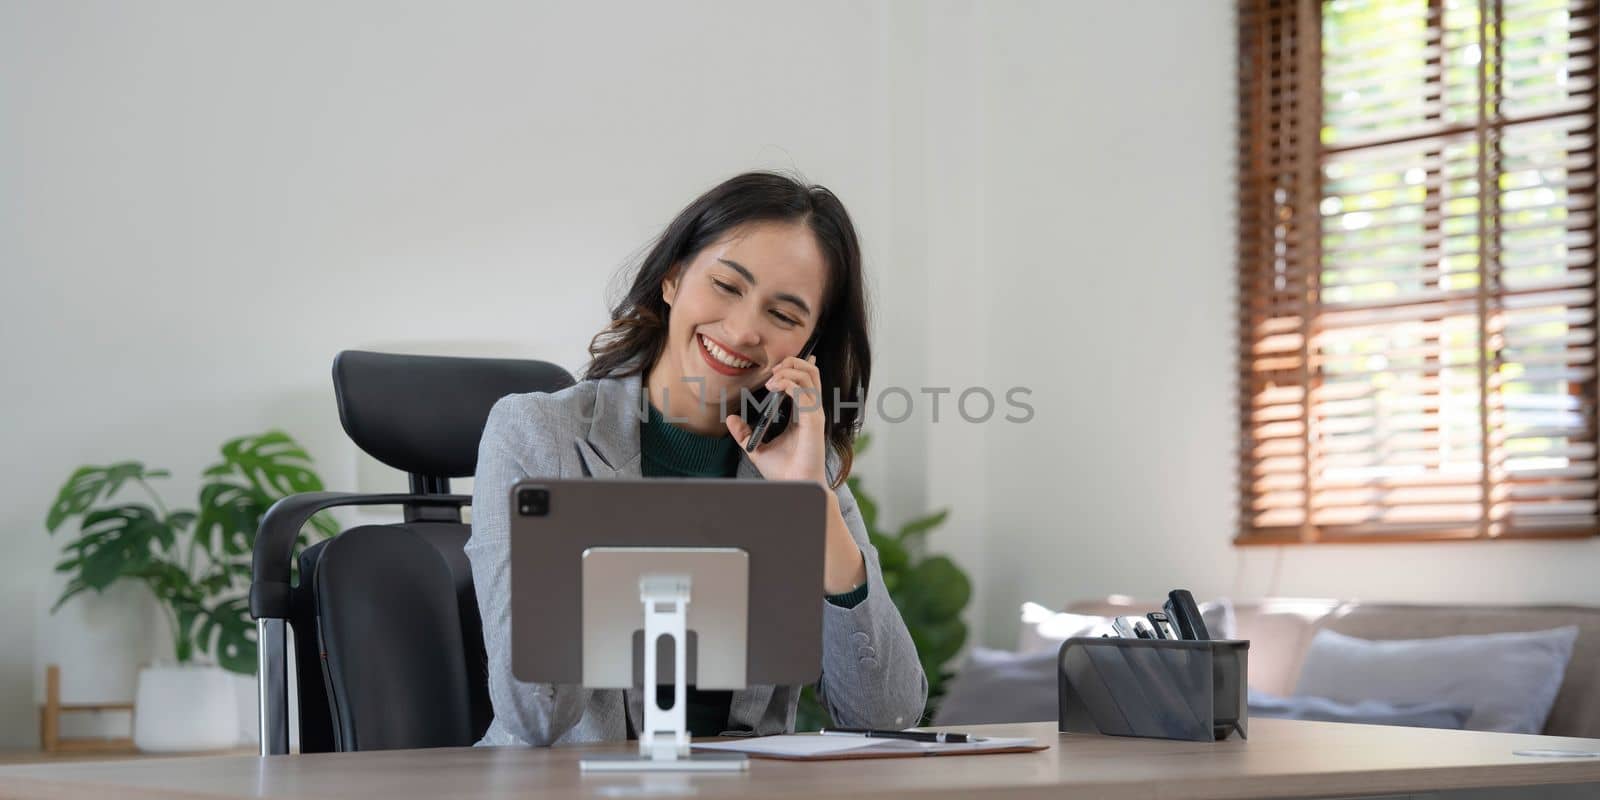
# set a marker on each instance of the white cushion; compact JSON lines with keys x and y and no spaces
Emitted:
{"x":1044,"y":630}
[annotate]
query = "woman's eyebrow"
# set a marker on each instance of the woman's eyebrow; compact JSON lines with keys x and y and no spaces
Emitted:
{"x":752,"y":280}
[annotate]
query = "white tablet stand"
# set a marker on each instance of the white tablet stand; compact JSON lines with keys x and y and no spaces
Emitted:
{"x":667,"y":581}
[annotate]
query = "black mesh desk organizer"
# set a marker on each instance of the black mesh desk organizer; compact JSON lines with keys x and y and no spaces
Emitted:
{"x":1158,"y":688}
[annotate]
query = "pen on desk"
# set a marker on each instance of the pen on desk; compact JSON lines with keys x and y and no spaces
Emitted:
{"x":915,"y":736}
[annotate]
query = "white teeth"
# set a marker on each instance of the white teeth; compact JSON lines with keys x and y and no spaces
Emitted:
{"x":723,"y":356}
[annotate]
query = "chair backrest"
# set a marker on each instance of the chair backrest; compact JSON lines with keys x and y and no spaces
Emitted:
{"x":397,"y":635}
{"x":423,"y":415}
{"x":389,"y":645}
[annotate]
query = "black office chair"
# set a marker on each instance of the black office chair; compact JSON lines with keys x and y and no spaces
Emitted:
{"x":389,"y":647}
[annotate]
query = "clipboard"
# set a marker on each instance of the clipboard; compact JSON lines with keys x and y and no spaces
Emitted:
{"x":814,"y":747}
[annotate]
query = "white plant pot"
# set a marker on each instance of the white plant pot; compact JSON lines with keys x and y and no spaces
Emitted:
{"x":249,"y":708}
{"x":185,"y":709}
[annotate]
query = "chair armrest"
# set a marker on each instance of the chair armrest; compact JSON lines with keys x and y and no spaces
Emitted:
{"x":280,"y":528}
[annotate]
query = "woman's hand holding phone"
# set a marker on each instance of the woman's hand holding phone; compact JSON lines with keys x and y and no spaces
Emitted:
{"x":798,"y":454}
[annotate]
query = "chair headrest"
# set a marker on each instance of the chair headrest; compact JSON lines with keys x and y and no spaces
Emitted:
{"x":424,"y":415}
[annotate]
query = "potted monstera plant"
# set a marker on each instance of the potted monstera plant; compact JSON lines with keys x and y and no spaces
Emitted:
{"x":196,"y":562}
{"x":929,"y":589}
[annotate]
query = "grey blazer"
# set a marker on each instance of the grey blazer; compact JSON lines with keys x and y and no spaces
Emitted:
{"x":870,"y":673}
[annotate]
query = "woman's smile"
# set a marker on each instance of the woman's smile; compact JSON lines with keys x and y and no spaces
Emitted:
{"x":720,"y":359}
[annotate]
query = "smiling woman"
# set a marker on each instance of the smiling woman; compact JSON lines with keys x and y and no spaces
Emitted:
{"x":737,"y":283}
{"x":724,"y":303}
{"x":733,"y":321}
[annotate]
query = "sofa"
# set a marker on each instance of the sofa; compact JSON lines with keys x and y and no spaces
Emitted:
{"x":1280,"y":631}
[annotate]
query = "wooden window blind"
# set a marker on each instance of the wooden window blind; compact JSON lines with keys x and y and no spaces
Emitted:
{"x":1416,"y":252}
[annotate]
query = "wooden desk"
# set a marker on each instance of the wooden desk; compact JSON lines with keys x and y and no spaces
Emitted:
{"x":1281,"y":759}
{"x":41,"y":757}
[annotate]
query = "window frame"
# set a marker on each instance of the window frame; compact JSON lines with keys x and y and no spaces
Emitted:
{"x":1281,"y":163}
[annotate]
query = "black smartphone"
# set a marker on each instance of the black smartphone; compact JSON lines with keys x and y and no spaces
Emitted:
{"x":768,"y":420}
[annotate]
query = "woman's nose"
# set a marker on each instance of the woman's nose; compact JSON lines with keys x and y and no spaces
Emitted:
{"x":744,"y":329}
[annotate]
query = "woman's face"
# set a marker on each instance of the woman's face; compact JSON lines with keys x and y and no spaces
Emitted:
{"x":742,"y":305}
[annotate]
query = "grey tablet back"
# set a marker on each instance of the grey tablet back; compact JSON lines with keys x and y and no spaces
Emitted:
{"x":781,"y":524}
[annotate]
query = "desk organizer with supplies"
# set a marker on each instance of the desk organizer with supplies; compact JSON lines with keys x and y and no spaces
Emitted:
{"x":1157,"y":688}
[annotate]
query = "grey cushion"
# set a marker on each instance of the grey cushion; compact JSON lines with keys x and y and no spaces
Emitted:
{"x":1001,"y":686}
{"x":1509,"y":680}
{"x":1366,"y":712}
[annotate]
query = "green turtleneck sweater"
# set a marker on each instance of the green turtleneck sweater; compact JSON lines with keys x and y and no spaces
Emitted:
{"x":668,"y":451}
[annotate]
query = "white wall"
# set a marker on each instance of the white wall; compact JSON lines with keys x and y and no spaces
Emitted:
{"x":934,"y":333}
{"x":204,"y":202}
{"x":1107,"y":185}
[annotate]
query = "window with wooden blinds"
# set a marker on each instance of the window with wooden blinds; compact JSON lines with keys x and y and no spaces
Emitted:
{"x":1417,"y":269}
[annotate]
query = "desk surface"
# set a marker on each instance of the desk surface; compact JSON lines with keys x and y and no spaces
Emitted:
{"x":41,"y":757}
{"x":1281,"y":759}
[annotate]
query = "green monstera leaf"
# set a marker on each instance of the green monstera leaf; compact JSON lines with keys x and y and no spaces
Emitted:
{"x":912,"y":532}
{"x":938,"y":642}
{"x":225,"y":576}
{"x":226,"y":631}
{"x":255,"y":472}
{"x":272,"y":463}
{"x":228,"y":518}
{"x":88,"y":485}
{"x":935,"y":590}
{"x":114,"y":542}
{"x":863,"y":440}
{"x":169,"y":582}
{"x":892,"y":556}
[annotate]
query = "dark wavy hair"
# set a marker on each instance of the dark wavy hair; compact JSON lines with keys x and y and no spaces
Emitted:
{"x":638,"y":330}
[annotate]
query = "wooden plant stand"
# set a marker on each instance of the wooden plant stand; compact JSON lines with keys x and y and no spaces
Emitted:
{"x":50,"y":712}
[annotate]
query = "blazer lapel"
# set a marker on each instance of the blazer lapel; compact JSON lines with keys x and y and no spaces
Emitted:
{"x":611,"y":447}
